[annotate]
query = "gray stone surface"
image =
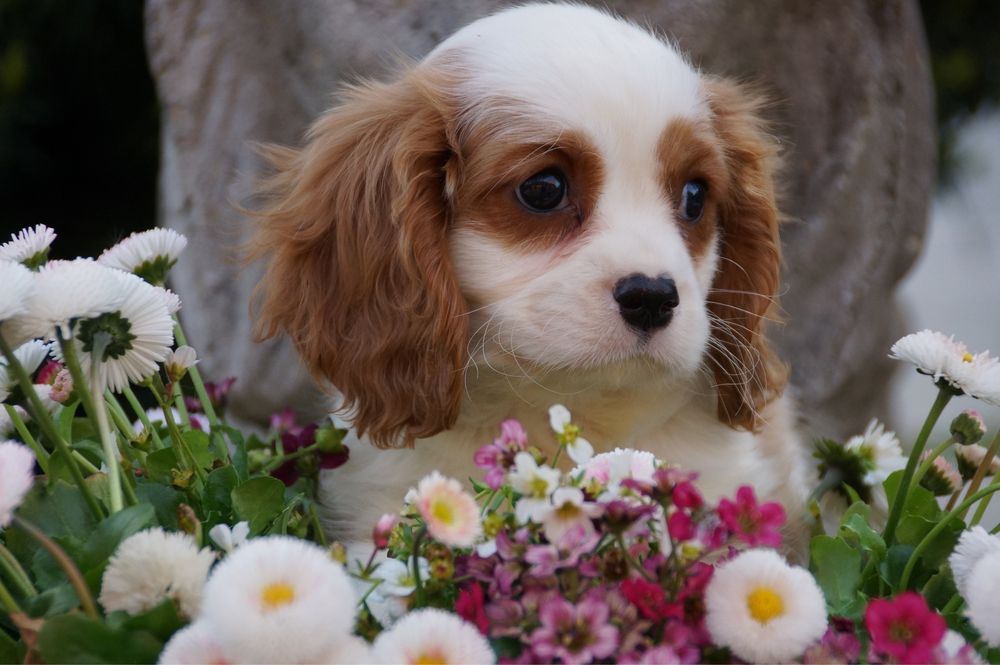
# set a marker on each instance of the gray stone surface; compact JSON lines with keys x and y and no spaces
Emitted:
{"x":853,"y":106}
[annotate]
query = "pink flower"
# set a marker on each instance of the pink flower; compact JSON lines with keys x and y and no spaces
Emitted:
{"x":685,"y":495}
{"x":574,"y":634}
{"x":648,"y":597}
{"x":283,"y":421}
{"x":300,"y":437}
{"x":904,"y":629}
{"x":470,"y":606}
{"x":498,"y":457}
{"x":680,"y":526}
{"x":546,"y":559}
{"x":838,"y":645}
{"x":62,"y":387}
{"x":383,"y":529}
{"x":450,"y":513}
{"x":755,"y":524}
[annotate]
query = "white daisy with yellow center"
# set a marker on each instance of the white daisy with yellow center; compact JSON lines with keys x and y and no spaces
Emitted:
{"x":433,"y":636}
{"x":451,"y":514}
{"x":279,"y":600}
{"x":763,"y":609}
{"x":948,"y":360}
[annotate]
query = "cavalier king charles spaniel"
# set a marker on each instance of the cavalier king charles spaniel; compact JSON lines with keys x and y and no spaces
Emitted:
{"x":553,"y":206}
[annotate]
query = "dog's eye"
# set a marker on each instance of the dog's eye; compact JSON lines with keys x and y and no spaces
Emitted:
{"x":543,"y":192}
{"x":693,"y":200}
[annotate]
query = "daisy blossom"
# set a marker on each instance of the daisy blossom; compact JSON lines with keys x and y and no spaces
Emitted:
{"x":450,"y":513}
{"x":974,"y":543}
{"x":764,"y":609}
{"x":152,"y":565}
{"x":193,"y":645}
{"x":170,"y":299}
{"x":19,"y":285}
{"x":30,"y":356}
{"x":227,"y":538}
{"x":433,"y":636}
{"x":17,"y":466}
{"x":535,"y":483}
{"x":880,"y":451}
{"x":567,"y":510}
{"x":29,"y":247}
{"x":139,"y":334}
{"x":351,"y":651}
{"x":279,"y":599}
{"x":970,"y":457}
{"x":149,"y":254}
{"x":64,"y":292}
{"x":578,"y":448}
{"x":983,"y":597}
{"x":943,"y":358}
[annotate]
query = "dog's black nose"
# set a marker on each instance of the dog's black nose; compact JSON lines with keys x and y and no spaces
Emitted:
{"x":646,"y":303}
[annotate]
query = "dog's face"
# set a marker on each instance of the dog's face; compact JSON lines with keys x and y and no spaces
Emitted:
{"x":551,"y":189}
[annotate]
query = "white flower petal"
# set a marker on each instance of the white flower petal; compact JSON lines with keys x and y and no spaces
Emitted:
{"x":431,"y":635}
{"x":27,"y":244}
{"x":559,"y":417}
{"x":18,"y":287}
{"x":983,"y":597}
{"x":17,"y":466}
{"x":580,"y":451}
{"x":144,"y":247}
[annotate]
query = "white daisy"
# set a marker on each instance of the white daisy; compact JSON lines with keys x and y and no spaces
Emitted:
{"x":227,"y":538}
{"x":763,"y":609}
{"x":152,"y":565}
{"x":17,"y":466}
{"x":944,"y":358}
{"x":64,"y":292}
{"x":351,"y":651}
{"x":30,"y":356}
{"x":611,"y":468}
{"x":970,"y":457}
{"x":535,"y":483}
{"x":18,"y":287}
{"x":139,"y":334}
{"x":567,"y":510}
{"x":974,"y":543}
{"x":193,"y":645}
{"x":170,"y":299}
{"x":578,"y":448}
{"x":433,"y":636}
{"x":29,"y":247}
{"x":279,"y":599}
{"x":149,"y":254}
{"x":983,"y":597}
{"x":451,"y":514}
{"x":880,"y":450}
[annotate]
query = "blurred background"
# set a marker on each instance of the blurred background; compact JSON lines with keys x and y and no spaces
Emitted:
{"x":79,"y":151}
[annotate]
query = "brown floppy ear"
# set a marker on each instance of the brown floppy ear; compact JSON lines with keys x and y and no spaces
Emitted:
{"x":748,"y":374}
{"x":354,"y":232}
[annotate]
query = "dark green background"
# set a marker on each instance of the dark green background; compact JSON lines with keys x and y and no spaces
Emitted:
{"x":79,"y":117}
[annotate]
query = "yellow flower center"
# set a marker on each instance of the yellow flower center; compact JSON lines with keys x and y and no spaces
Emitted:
{"x":967,"y":357}
{"x":443,"y":512}
{"x":538,"y":486}
{"x":275,"y":595}
{"x":765,"y":604}
{"x":432,"y":658}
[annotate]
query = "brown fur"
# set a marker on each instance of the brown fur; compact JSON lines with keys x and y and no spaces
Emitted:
{"x":748,"y":373}
{"x":354,"y":231}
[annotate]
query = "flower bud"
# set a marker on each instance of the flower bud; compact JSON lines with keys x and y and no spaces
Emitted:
{"x":181,"y":479}
{"x":442,"y":569}
{"x":969,"y":459}
{"x":178,"y":361}
{"x":188,"y":521}
{"x":62,"y":386}
{"x":338,"y":552}
{"x":941,"y":478}
{"x":383,"y":530}
{"x":968,"y":427}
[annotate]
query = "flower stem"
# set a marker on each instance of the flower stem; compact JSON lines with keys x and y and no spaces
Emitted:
{"x":12,"y":567}
{"x":69,"y":568}
{"x":934,"y":454}
{"x":938,"y":528}
{"x":101,"y":340}
{"x":288,"y":457}
{"x":140,"y":413}
{"x":631,"y":559}
{"x":48,"y":427}
{"x":8,"y":601}
{"x":980,"y":475}
{"x":199,"y":385}
{"x":22,"y":430}
{"x":896,"y":512}
{"x":417,"y":539}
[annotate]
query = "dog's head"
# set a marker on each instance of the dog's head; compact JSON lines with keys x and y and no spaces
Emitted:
{"x":552,"y":187}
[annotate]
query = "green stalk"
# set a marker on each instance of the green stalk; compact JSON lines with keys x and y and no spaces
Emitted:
{"x":69,"y":568}
{"x":980,"y":475}
{"x":140,"y":413}
{"x":938,"y":528}
{"x":281,"y":459}
{"x":896,"y":512}
{"x":417,"y":538}
{"x":926,"y":464}
{"x":12,"y":567}
{"x":183,"y":451}
{"x":196,"y":380}
{"x":44,"y":420}
{"x":103,"y":428}
{"x":8,"y":601}
{"x":179,"y":403}
{"x":22,"y":430}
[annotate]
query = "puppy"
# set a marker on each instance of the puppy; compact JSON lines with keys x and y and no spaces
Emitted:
{"x":552,"y":207}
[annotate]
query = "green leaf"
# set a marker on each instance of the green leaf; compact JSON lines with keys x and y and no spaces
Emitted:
{"x":240,"y":462}
{"x":856,"y":531}
{"x":163,"y":499}
{"x":59,"y":511}
{"x":895,"y":561}
{"x":11,"y":651}
{"x":913,"y":529}
{"x":198,"y":443}
{"x":939,"y":589}
{"x":74,"y":638}
{"x":64,"y":421}
{"x":217,"y":500}
{"x":919,"y":501}
{"x":258,"y":501}
{"x":112,"y":531}
{"x":52,"y":602}
{"x":161,"y":621}
{"x":837,"y":569}
{"x":159,"y":464}
{"x":46,"y":570}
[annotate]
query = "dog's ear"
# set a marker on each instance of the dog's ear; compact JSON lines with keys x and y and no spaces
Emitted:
{"x":748,"y":374}
{"x":353,"y":228}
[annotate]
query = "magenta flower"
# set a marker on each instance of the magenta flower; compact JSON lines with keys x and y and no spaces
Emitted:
{"x":300,"y":437}
{"x":904,"y":629}
{"x":574,"y":634}
{"x":755,"y":524}
{"x":498,"y":457}
{"x":679,"y":526}
{"x":470,"y":606}
{"x":547,"y":559}
{"x":283,"y":421}
{"x":218,"y":395}
{"x":838,"y":645}
{"x":648,"y":597}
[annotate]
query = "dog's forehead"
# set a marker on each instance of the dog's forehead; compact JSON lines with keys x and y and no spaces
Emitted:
{"x":575,"y":65}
